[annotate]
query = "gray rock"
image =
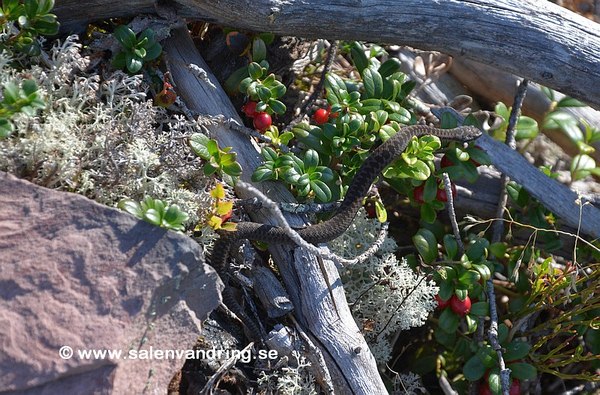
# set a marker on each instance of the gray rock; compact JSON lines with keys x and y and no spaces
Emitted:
{"x":78,"y":274}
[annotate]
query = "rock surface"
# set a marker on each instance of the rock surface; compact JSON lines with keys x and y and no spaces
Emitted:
{"x":78,"y":274}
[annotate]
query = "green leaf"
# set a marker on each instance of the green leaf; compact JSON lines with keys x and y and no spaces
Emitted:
{"x":6,"y":127}
{"x":132,"y":207}
{"x":478,"y":249}
{"x":444,"y":338}
{"x":259,"y":50}
{"x":153,"y":216}
{"x":267,"y":37}
{"x":29,"y":87}
{"x":380,"y":211}
{"x":10,"y":93}
{"x":426,"y":245}
{"x":389,"y":67}
{"x":420,"y":170}
{"x":446,"y":290}
{"x":233,"y":82}
{"x":263,"y":93}
{"x":523,"y":371}
{"x":516,"y":350}
{"x":448,"y":321}
{"x":502,"y":332}
{"x":450,"y":245}
{"x":461,"y":293}
{"x":474,"y":369}
{"x":360,"y":60}
{"x":199,"y":143}
{"x":321,"y":190}
{"x":255,"y":70}
{"x":133,"y":63}
{"x":263,"y":173}
{"x":480,"y":309}
{"x":311,"y":160}
{"x":428,"y":213}
{"x":527,"y":128}
{"x":277,"y":106}
{"x":153,"y":52}
{"x":471,"y":324}
{"x":125,"y":36}
{"x":174,"y":215}
{"x":373,"y":83}
{"x":469,"y":277}
{"x":234,"y":169}
{"x":44,"y":6}
{"x":483,"y":270}
{"x":494,"y":383}
{"x":569,"y":102}
{"x":498,"y":249}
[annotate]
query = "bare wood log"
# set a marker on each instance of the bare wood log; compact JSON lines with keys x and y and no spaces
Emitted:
{"x":494,"y":85}
{"x":562,"y":201}
{"x":553,"y":195}
{"x":531,"y":38}
{"x":337,"y":337}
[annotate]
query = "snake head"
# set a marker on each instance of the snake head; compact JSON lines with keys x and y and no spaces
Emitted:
{"x":468,"y":133}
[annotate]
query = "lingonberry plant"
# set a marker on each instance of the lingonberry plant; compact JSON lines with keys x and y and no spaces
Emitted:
{"x":27,"y":20}
{"x":221,"y":161}
{"x":18,"y":99}
{"x":156,"y":212}
{"x":136,"y":50}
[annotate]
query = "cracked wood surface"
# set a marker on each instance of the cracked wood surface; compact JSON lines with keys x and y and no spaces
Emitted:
{"x":337,"y":337}
{"x":530,"y":38}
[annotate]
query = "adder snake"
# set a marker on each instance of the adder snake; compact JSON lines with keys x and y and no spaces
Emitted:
{"x":381,"y":157}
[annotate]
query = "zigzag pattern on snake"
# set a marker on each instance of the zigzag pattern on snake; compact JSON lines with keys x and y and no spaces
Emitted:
{"x":381,"y":157}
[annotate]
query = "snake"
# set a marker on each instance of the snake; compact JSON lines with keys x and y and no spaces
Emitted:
{"x":383,"y":156}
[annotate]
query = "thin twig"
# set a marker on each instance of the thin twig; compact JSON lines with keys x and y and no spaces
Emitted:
{"x":317,"y":91}
{"x":208,"y":387}
{"x":511,"y":142}
{"x":498,"y":229}
{"x":452,"y":213}
{"x":298,"y":240}
{"x":316,"y":356}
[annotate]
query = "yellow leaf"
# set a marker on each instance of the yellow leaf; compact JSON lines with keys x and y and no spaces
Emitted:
{"x":218,"y":191}
{"x":215,"y":222}
{"x":224,"y":208}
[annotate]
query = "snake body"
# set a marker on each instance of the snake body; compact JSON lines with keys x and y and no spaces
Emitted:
{"x":381,"y":157}
{"x":322,"y":232}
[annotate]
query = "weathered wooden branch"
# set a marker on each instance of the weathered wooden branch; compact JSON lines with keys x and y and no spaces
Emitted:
{"x":337,"y":337}
{"x":493,"y":85}
{"x":530,"y":38}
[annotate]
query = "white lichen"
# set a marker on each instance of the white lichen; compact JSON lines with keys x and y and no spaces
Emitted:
{"x":101,"y":136}
{"x":408,"y":384}
{"x":386,"y":295}
{"x":293,"y":378}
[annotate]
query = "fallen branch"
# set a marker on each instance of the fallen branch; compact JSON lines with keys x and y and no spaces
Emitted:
{"x":534,"y":39}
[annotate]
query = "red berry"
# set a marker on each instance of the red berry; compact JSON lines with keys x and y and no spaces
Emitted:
{"x":515,"y":388}
{"x":446,"y":162}
{"x":460,"y":307}
{"x":418,"y":193}
{"x":484,"y":389}
{"x":442,"y":304}
{"x":321,"y":116}
{"x":441,"y":193}
{"x":262,"y":121}
{"x":249,"y":109}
